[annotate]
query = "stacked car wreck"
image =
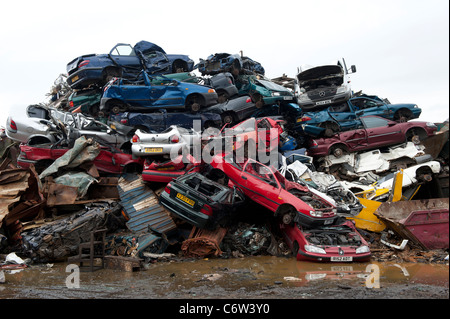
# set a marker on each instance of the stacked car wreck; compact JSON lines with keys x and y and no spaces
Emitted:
{"x":141,"y":156}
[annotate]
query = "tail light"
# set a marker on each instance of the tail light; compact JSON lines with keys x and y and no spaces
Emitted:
{"x":124,"y":121}
{"x":305,"y":118}
{"x":135,"y":139}
{"x":71,"y":103}
{"x":207,"y":210}
{"x":249,"y":100}
{"x":12,"y":125}
{"x":314,"y":143}
{"x":167,"y":188}
{"x":83,"y":63}
{"x":174,"y":139}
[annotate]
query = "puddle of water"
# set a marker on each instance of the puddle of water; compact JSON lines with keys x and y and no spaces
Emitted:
{"x":252,"y":274}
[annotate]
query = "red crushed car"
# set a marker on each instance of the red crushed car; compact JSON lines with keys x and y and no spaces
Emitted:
{"x":166,"y":171}
{"x":374,"y":132}
{"x":109,"y":160}
{"x":334,"y":243}
{"x":267,"y":187}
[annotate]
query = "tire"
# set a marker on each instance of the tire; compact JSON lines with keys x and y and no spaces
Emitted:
{"x":416,"y":135}
{"x":228,"y":117}
{"x":193,"y":104}
{"x":222,"y":97}
{"x":116,"y":107}
{"x":258,"y":100}
{"x":402,"y":115}
{"x":338,"y":150}
{"x":330,"y":128}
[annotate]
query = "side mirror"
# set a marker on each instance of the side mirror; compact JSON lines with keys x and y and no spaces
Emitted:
{"x":391,"y":123}
{"x":353,"y":68}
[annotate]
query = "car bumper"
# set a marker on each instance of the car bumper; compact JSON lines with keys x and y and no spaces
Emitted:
{"x":143,"y":149}
{"x":210,"y":99}
{"x":189,"y":215}
{"x":25,"y":163}
{"x":312,"y":222}
{"x":161,"y":176}
{"x":84,"y":77}
{"x":332,"y":257}
{"x":308,"y":105}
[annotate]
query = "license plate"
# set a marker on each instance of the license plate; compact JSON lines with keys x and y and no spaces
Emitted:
{"x":75,"y":78}
{"x":153,"y":149}
{"x":185,"y":199}
{"x":323,"y":102}
{"x":342,"y":258}
{"x":287,"y":98}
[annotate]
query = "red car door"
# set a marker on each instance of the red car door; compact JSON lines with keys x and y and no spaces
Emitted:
{"x":260,"y":184}
{"x":382,"y":132}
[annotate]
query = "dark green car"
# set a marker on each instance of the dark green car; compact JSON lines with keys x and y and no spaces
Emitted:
{"x":262,"y":90}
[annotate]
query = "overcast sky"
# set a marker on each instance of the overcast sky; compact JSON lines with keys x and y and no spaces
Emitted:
{"x":400,"y":47}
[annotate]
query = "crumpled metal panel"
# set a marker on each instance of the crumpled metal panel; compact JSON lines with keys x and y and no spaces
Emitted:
{"x":142,"y":206}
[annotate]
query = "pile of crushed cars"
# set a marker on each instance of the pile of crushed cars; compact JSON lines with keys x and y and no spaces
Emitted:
{"x":129,"y":148}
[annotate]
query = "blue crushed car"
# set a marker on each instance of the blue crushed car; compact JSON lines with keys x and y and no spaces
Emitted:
{"x":124,"y":61}
{"x":150,"y":93}
{"x":225,"y":62}
{"x":343,"y":117}
{"x":161,"y":120}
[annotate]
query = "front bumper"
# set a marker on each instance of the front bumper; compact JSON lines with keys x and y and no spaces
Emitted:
{"x":307,"y":256}
{"x":312,"y":222}
{"x":143,"y":149}
{"x":189,"y":215}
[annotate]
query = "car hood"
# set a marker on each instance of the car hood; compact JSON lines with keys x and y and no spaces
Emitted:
{"x":272,"y":86}
{"x":319,"y":72}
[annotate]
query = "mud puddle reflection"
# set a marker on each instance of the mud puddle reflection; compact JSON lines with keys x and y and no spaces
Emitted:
{"x":256,"y":277}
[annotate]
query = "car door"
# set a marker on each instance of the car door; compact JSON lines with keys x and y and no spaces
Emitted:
{"x":355,"y":139}
{"x":261,"y":184}
{"x":343,"y":114}
{"x":381,"y":132}
{"x":124,"y":56}
{"x":364,"y":106}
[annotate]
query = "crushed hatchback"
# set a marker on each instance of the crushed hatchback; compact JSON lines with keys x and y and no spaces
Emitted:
{"x":335,"y":243}
{"x":201,"y":201}
{"x":154,"y":93}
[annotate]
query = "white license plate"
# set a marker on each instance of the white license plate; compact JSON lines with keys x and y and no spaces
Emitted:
{"x":323,"y":102}
{"x":342,"y":258}
{"x":328,"y":221}
{"x":287,"y":98}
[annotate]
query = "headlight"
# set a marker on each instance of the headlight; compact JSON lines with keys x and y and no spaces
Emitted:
{"x":315,"y":249}
{"x":303,"y":97}
{"x":416,"y":106}
{"x":362,"y":250}
{"x":429,"y":124}
{"x":275,"y":93}
{"x":315,"y":214}
{"x":341,"y":89}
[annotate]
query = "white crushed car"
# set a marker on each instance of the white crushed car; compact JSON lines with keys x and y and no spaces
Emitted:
{"x":170,"y":141}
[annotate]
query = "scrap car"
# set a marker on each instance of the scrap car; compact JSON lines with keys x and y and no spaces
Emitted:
{"x":344,"y":116}
{"x":201,"y":201}
{"x":233,"y":111}
{"x":225,"y":62}
{"x":163,"y":171}
{"x":155,"y":93}
{"x":125,"y":61}
{"x":267,"y":187}
{"x":336,"y":243}
{"x":262,"y":90}
{"x":373,"y":132}
{"x":109,"y":160}
{"x":169,"y":142}
{"x":324,"y":85}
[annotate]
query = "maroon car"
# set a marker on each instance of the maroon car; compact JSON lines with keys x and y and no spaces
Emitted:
{"x":109,"y":160}
{"x":374,"y":132}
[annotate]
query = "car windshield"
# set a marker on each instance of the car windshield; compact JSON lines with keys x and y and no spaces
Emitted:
{"x":246,"y":126}
{"x":272,"y":86}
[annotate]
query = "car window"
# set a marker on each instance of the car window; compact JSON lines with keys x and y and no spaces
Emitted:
{"x":372,"y":122}
{"x":362,"y":103}
{"x":124,"y":50}
{"x":262,"y":172}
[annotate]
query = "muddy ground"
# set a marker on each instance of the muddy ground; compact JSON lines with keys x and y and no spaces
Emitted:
{"x":260,"y":277}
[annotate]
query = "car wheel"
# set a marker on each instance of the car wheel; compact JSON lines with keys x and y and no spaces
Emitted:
{"x":287,"y":213}
{"x":228,"y":118}
{"x":192,"y":104}
{"x":223,"y":97}
{"x":402,"y":116}
{"x":258,"y":100}
{"x":338,"y":151}
{"x":416,"y":136}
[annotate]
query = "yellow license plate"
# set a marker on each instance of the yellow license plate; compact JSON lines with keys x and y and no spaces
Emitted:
{"x":75,"y":78}
{"x":153,"y":150}
{"x":185,"y":199}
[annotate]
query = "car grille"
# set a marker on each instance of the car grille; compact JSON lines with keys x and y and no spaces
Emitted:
{"x":322,"y":93}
